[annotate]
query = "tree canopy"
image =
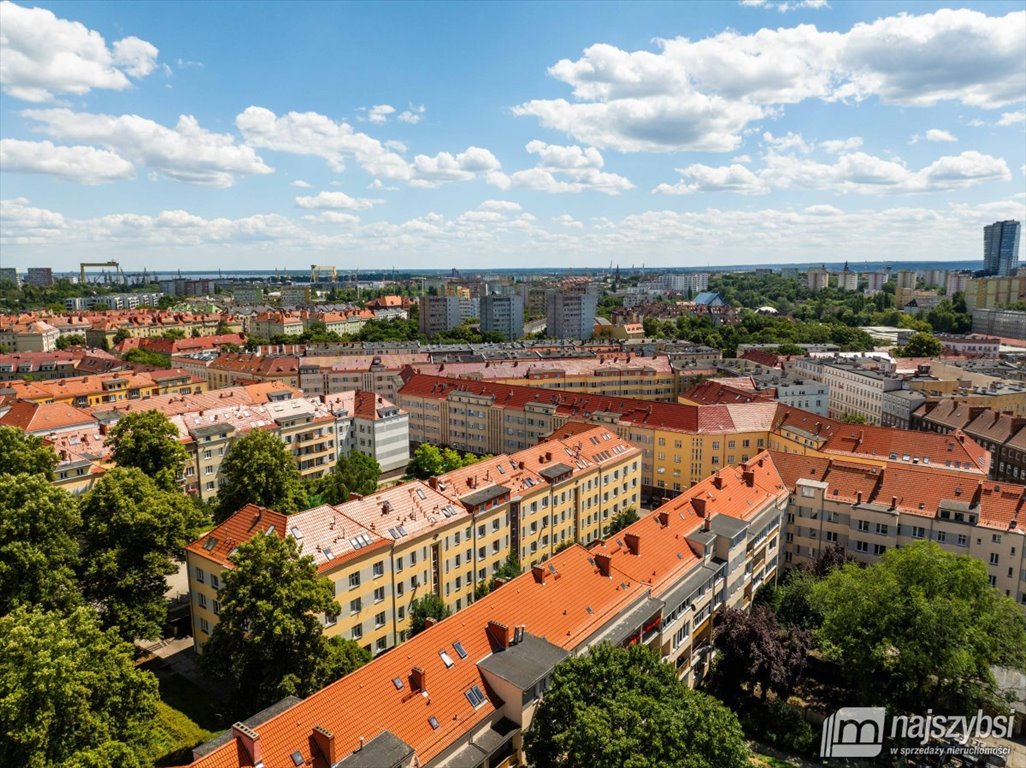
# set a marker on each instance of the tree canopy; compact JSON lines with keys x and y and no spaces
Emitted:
{"x":38,"y":547}
{"x":622,"y":519}
{"x":920,"y":627}
{"x":920,"y":345}
{"x":429,"y":606}
{"x":132,"y":530}
{"x":148,"y":441}
{"x":71,"y":694}
{"x":430,"y":460}
{"x":21,"y":452}
{"x":259,"y":469}
{"x":623,"y":707}
{"x":269,"y":642}
{"x":358,"y":472}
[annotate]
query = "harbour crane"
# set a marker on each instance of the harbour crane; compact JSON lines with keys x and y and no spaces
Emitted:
{"x":82,"y":269}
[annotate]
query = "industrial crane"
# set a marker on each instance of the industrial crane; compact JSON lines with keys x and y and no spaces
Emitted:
{"x":82,"y":269}
{"x":316,"y":269}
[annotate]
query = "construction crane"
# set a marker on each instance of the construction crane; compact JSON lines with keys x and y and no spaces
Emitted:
{"x":316,"y":269}
{"x":82,"y":269}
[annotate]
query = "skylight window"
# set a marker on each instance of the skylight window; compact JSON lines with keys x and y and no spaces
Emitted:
{"x":269,"y":531}
{"x":446,"y":659}
{"x":398,"y":683}
{"x":297,"y":758}
{"x":296,"y":533}
{"x":475,"y":696}
{"x":460,"y":650}
{"x":433,"y":722}
{"x":421,"y":495}
{"x":210,"y":543}
{"x":328,"y":554}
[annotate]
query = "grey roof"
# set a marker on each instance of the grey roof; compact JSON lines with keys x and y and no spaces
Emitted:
{"x":725,"y":525}
{"x":553,"y":471}
{"x":525,"y":663}
{"x":253,"y":722}
{"x":386,"y":750}
{"x":628,"y":623}
{"x":484,"y":495}
{"x":689,"y":586}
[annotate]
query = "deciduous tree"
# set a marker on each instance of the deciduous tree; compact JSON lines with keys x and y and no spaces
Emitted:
{"x":38,"y":547}
{"x":21,"y":452}
{"x":269,"y":642}
{"x":70,"y":694}
{"x":624,"y":707}
{"x":132,"y":531}
{"x":921,"y":627}
{"x":259,"y":470}
{"x":622,"y":519}
{"x":359,"y":473}
{"x":148,"y":441}
{"x":429,"y":606}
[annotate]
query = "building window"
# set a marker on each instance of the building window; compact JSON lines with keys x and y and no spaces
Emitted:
{"x":379,"y":569}
{"x":379,"y":594}
{"x":355,"y":606}
{"x":354,"y":580}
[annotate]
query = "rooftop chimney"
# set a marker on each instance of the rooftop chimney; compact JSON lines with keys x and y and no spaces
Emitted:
{"x":603,"y":561}
{"x":633,"y":543}
{"x":418,"y":679}
{"x":433,"y":482}
{"x":894,"y":502}
{"x":500,"y":633}
{"x":749,"y":477}
{"x":538,"y":571}
{"x":429,"y":621}
{"x":548,"y":456}
{"x":858,"y":497}
{"x":249,"y":740}
{"x":718,"y":482}
{"x":699,"y":504}
{"x":664,"y":519}
{"x":324,"y":740}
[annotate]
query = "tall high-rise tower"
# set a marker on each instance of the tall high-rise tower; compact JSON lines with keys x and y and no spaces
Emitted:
{"x":1001,"y":248}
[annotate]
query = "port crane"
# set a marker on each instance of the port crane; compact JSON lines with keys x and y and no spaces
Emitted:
{"x":316,"y":269}
{"x":82,"y":269}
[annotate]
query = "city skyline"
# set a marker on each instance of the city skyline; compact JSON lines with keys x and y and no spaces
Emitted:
{"x":433,"y":135}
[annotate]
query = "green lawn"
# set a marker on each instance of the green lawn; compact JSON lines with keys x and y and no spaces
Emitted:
{"x":767,"y":761}
{"x":185,"y":718}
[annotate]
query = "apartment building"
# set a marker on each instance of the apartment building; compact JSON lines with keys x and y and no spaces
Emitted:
{"x":31,"y":336}
{"x":868,"y":510}
{"x":267,"y":325}
{"x":618,"y":375}
{"x":681,"y":444}
{"x":570,"y":314}
{"x":44,"y":366}
{"x":853,"y":390}
{"x":463,"y":692}
{"x":995,"y":292}
{"x":72,"y":433}
{"x":503,"y":315}
{"x":150,"y":323}
{"x":86,"y":391}
{"x":817,"y":279}
{"x":438,"y":314}
{"x":232,"y":369}
{"x":1000,"y":432}
{"x":446,"y":536}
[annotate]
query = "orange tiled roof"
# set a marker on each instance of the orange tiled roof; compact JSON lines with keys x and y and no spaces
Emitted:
{"x":917,"y":490}
{"x":40,"y":418}
{"x":219,"y":543}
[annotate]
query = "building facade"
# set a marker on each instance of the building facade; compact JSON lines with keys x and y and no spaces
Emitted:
{"x":1001,"y":248}
{"x":570,"y":314}
{"x":503,"y":315}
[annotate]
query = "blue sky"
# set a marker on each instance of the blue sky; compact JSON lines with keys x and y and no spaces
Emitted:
{"x":234,"y":135}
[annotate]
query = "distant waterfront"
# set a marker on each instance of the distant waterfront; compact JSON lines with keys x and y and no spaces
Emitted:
{"x":365,"y":274}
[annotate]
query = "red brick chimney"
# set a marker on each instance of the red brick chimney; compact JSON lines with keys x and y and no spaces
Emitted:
{"x":418,"y":679}
{"x":325,"y":743}
{"x":249,"y":740}
{"x":633,"y":542}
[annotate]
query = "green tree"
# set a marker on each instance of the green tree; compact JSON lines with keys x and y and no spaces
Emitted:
{"x":148,"y":441}
{"x":921,"y":627}
{"x":426,"y":462}
{"x":358,"y":472}
{"x":854,"y":418}
{"x":22,"y":452}
{"x":429,"y":606}
{"x":259,"y":469}
{"x":71,"y":340}
{"x":621,"y":520}
{"x":618,"y":706}
{"x":173,"y":334}
{"x":38,"y":548}
{"x":132,"y":530}
{"x":508,"y":569}
{"x":121,"y":335}
{"x":71,"y":694}
{"x":269,"y":642}
{"x":920,"y":345}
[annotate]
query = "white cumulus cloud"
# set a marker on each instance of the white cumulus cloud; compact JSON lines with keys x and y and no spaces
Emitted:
{"x":42,"y":55}
{"x":700,"y":95}
{"x":568,"y":169}
{"x":338,"y":201}
{"x":187,"y":152}
{"x":85,"y":165}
